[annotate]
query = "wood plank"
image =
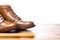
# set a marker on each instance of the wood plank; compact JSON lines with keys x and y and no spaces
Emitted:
{"x":22,"y":34}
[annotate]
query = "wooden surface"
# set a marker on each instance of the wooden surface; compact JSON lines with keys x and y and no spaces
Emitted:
{"x":22,"y":34}
{"x":48,"y":32}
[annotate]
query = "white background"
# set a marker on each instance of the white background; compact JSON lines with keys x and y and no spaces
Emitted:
{"x":38,"y":11}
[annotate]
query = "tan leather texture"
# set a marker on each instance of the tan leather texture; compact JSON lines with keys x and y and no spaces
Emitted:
{"x":7,"y":26}
{"x":7,"y":12}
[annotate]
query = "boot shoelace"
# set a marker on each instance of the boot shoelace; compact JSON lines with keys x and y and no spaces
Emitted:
{"x":12,"y":12}
{"x":1,"y":18}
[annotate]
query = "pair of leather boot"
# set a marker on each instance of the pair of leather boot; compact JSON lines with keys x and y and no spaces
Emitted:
{"x":9,"y":20}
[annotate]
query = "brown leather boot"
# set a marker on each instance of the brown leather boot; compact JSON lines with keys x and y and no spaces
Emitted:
{"x":6,"y":26}
{"x":9,"y":15}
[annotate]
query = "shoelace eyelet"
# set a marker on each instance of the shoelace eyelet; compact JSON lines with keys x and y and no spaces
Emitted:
{"x":13,"y":13}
